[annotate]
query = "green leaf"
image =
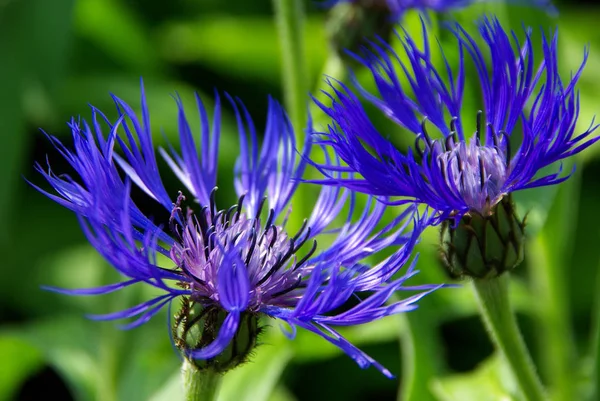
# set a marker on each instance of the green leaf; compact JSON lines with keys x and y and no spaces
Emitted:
{"x":31,"y":59}
{"x":256,"y":380}
{"x":97,"y":359}
{"x":548,"y":254}
{"x":420,"y":347}
{"x":119,"y":32}
{"x":589,"y":377}
{"x":282,"y":394}
{"x":67,"y":345}
{"x":79,"y":91}
{"x":20,"y":359}
{"x":221,"y":41}
{"x":595,"y":345}
{"x":489,"y":382}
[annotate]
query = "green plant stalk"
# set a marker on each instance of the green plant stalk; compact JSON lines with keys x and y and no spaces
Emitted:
{"x":199,"y":385}
{"x":419,"y":350}
{"x":550,"y":252}
{"x":595,"y":343}
{"x":494,"y":306}
{"x":549,"y":282}
{"x":289,"y":16}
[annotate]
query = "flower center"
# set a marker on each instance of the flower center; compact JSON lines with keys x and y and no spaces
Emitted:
{"x":269,"y":255}
{"x":474,"y":172}
{"x":477,"y":172}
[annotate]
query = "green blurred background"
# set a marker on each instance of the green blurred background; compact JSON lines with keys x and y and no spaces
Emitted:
{"x":57,"y":56}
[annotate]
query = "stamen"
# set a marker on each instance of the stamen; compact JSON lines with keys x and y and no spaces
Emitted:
{"x":453,"y":124}
{"x":213,"y":208}
{"x":289,"y":289}
{"x":418,"y":148}
{"x":281,"y":260}
{"x":260,"y":207}
{"x":424,"y":131}
{"x":443,"y":170}
{"x":176,"y":214}
{"x":274,"y":237}
{"x":240,"y":203}
{"x":494,"y":136}
{"x":449,"y":142}
{"x":481,"y":174}
{"x":218,"y":217}
{"x":301,"y":243}
{"x":269,"y":221}
{"x":460,"y":168}
{"x":478,"y":132}
{"x":506,"y":146}
{"x":300,"y":230}
{"x":272,"y":270}
{"x":236,"y":236}
{"x":202,"y":222}
{"x":253,"y":238}
{"x":307,"y":256}
{"x":229,"y":213}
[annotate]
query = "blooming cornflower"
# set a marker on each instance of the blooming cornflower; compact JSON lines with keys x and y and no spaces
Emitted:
{"x":526,"y":124}
{"x":230,"y":266}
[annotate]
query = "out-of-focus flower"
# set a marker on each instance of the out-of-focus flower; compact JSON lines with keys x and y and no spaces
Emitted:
{"x":527,"y":123}
{"x":397,"y":8}
{"x":230,"y":266}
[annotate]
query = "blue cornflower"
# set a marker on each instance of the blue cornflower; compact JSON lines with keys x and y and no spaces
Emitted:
{"x":230,"y":266}
{"x":397,"y":8}
{"x":526,"y":124}
{"x":458,"y":173}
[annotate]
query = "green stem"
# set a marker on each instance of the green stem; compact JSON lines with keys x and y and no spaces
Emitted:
{"x":419,"y":350}
{"x":595,"y":351}
{"x":289,"y":15}
{"x":199,"y":385}
{"x":494,"y":305}
{"x":550,"y":290}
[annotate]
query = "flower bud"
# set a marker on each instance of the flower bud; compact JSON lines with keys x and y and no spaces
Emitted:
{"x":483,"y":246}
{"x":197,"y":326}
{"x":350,"y":23}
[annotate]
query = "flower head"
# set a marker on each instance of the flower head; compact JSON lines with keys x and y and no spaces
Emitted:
{"x":229,"y":266}
{"x":526,"y":124}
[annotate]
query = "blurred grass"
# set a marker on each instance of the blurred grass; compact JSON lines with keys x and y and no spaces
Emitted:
{"x":59,"y":56}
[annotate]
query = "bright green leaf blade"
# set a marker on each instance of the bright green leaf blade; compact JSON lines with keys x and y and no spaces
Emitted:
{"x":282,"y":394}
{"x":127,"y":40}
{"x":595,"y":348}
{"x":256,"y":380}
{"x":31,"y":58}
{"x":491,"y":381}
{"x":547,"y":257}
{"x":67,"y":345}
{"x":20,"y":359}
{"x":589,"y":384}
{"x":420,"y":348}
{"x":221,"y":42}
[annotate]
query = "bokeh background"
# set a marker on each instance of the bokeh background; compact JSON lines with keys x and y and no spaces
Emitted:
{"x":58,"y":56}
